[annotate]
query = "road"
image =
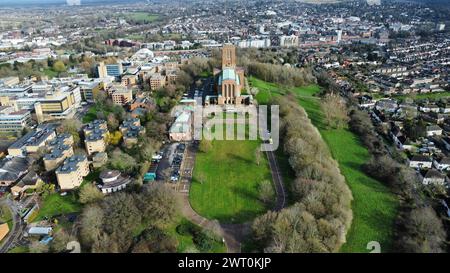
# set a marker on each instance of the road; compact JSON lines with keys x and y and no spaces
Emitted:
{"x":278,"y":182}
{"x":17,"y":230}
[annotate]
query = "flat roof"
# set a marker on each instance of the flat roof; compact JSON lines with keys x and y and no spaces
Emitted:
{"x":35,"y":137}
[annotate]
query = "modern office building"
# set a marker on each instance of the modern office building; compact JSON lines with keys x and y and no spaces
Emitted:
{"x":89,"y":89}
{"x":58,"y":105}
{"x":105,"y":70}
{"x":12,"y":120}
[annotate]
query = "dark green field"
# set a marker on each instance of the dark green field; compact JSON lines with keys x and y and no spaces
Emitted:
{"x":229,"y":192}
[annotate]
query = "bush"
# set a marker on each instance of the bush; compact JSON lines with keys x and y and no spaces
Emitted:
{"x":203,"y":241}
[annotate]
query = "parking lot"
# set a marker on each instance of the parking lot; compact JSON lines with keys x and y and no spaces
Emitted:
{"x":171,"y":165}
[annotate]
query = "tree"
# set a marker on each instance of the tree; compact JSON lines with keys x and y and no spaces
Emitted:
{"x":266,"y":192}
{"x":154,"y":240}
{"x":148,"y":149}
{"x":60,"y":240}
{"x":321,"y":215}
{"x":335,"y":111}
{"x":114,"y":138}
{"x":89,"y":193}
{"x":45,"y":189}
{"x":113,"y":123}
{"x":91,"y":225}
{"x":72,"y":127}
{"x":423,"y":232}
{"x":205,"y":145}
{"x":37,"y":247}
{"x":122,"y":161}
{"x":158,"y":204}
{"x":59,"y":66}
{"x":258,"y":156}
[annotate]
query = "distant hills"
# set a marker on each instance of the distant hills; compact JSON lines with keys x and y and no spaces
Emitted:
{"x":57,"y":2}
{"x":62,"y":2}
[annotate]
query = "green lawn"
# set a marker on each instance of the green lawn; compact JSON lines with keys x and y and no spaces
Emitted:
{"x":434,"y":96}
{"x":50,"y":73}
{"x":374,"y":206}
{"x":143,"y":17}
{"x":136,"y":37}
{"x":230,"y":190}
{"x":55,"y":204}
{"x":91,"y":114}
{"x":19,"y":249}
{"x":6,"y":217}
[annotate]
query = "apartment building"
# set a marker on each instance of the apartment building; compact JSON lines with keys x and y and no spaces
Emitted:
{"x":157,"y":81}
{"x":70,"y":175}
{"x":95,"y":143}
{"x":131,"y":129}
{"x":94,"y":126}
{"x":31,"y":142}
{"x":120,"y":95}
{"x":13,"y":169}
{"x":129,"y":80}
{"x":60,"y":149}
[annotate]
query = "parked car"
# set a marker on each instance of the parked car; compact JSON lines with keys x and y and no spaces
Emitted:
{"x":175,"y":176}
{"x":157,"y":157}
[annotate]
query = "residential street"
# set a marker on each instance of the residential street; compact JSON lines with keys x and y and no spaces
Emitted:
{"x":16,"y":231}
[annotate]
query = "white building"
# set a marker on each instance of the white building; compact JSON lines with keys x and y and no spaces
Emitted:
{"x":420,"y":162}
{"x":12,"y":120}
{"x":289,"y":41}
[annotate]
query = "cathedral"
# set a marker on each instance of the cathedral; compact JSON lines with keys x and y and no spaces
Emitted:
{"x":230,"y":80}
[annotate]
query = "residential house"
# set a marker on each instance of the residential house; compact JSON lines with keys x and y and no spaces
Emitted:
{"x":442,"y":163}
{"x":433,"y":177}
{"x":13,"y":169}
{"x":420,"y":162}
{"x":28,"y":183}
{"x":434,"y":130}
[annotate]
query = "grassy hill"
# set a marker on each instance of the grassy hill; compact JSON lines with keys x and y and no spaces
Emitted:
{"x":374,"y":206}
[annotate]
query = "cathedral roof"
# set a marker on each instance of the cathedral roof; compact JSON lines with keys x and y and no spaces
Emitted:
{"x":229,"y":74}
